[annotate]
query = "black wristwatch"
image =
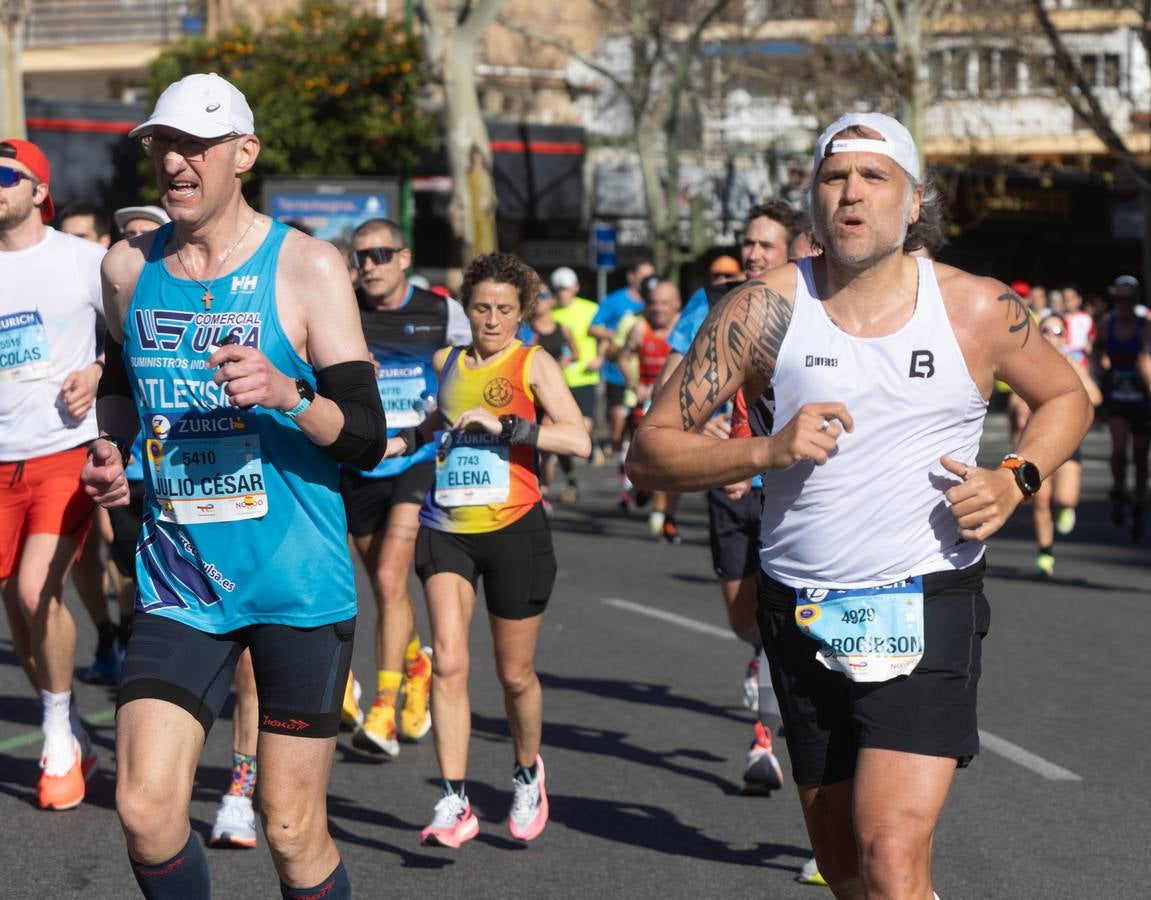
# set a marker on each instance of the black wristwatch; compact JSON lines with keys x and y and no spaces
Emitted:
{"x":1026,"y":474}
{"x":307,"y":395}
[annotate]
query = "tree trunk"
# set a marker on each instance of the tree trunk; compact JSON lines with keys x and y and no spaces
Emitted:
{"x":646,"y":134}
{"x":11,"y":77}
{"x":473,"y":207}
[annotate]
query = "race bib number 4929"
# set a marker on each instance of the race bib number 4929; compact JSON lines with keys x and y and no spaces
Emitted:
{"x":868,"y":634}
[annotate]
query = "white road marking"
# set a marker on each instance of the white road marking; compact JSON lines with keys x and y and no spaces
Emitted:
{"x":994,"y":743}
{"x":1026,"y":758}
{"x":664,"y":616}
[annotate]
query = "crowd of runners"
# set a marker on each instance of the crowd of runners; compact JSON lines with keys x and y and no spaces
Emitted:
{"x":228,"y":405}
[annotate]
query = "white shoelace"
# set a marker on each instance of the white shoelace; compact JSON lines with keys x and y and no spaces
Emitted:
{"x":449,"y":810}
{"x":525,"y":800}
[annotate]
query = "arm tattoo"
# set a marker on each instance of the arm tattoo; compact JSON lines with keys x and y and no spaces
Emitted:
{"x":739,"y":342}
{"x":1018,"y":315}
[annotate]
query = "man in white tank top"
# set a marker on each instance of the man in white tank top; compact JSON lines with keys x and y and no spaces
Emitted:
{"x":875,"y":511}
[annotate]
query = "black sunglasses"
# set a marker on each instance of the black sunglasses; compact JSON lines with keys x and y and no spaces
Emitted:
{"x":379,"y":256}
{"x":12,"y":177}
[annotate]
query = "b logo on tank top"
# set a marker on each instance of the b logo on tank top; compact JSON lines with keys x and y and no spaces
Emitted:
{"x":922,"y":364}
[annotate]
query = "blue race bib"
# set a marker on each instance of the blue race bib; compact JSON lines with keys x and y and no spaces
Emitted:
{"x":24,"y":347}
{"x":868,"y":634}
{"x":206,"y":467}
{"x":472,"y":469}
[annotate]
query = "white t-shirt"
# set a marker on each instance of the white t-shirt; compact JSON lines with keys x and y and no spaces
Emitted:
{"x":49,"y":300}
{"x":876,"y":512}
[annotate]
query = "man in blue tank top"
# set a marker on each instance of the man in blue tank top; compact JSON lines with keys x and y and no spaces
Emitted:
{"x":871,"y":604}
{"x":235,"y":342}
{"x":404,"y":326}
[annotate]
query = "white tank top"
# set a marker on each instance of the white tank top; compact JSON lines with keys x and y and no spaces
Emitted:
{"x":875,"y":513}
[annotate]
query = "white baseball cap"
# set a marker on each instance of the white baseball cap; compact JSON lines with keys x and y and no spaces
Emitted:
{"x":897,"y":142}
{"x":152,"y":213}
{"x":204,"y":106}
{"x":563,"y":278}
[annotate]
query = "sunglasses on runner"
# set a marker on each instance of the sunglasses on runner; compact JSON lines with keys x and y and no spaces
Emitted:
{"x":1055,"y":332}
{"x":12,"y":177}
{"x":193,"y":148}
{"x":379,"y":256}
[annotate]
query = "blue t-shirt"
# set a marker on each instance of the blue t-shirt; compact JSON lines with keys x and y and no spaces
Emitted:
{"x":690,"y":319}
{"x":612,"y":309}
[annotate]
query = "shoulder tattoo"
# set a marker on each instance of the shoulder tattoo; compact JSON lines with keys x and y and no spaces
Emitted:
{"x":739,"y":341}
{"x":1019,"y":317}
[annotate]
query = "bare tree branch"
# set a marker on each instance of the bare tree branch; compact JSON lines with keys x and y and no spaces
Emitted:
{"x":1086,"y":104}
{"x":566,"y":47}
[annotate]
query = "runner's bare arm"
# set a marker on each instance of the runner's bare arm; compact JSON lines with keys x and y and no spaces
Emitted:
{"x":317,"y":307}
{"x":1144,"y":361}
{"x":119,"y":271}
{"x":1001,"y":340}
{"x":565,"y":432}
{"x":737,"y":344}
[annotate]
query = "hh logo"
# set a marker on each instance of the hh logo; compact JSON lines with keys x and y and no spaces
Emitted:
{"x":922,"y":364}
{"x":244,"y":283}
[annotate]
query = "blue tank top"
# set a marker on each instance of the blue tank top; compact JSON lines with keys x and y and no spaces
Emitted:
{"x":243,"y":521}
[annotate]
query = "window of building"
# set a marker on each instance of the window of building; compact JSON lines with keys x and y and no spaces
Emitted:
{"x":1111,"y":70}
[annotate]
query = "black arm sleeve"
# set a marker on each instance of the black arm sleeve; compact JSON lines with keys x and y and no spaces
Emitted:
{"x":114,"y":381}
{"x":364,"y":437}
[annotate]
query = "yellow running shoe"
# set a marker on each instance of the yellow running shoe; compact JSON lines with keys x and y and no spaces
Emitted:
{"x":351,"y":716}
{"x":378,"y":733}
{"x":415,"y":717}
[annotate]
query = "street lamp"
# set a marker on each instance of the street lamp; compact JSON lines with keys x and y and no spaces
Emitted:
{"x":13,"y":14}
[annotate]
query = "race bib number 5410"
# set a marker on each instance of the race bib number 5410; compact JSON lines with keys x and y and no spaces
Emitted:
{"x":868,"y":634}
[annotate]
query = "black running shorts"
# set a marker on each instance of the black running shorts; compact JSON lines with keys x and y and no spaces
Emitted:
{"x":1137,"y":415}
{"x":517,"y":562}
{"x":585,"y":398}
{"x":733,"y":526}
{"x":368,"y":501}
{"x":828,"y":718}
{"x":300,"y":672}
{"x":614,"y":394}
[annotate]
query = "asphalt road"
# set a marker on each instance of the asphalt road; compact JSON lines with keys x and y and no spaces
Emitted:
{"x":644,"y":742}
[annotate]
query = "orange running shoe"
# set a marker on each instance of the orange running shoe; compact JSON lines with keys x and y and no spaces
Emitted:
{"x":64,"y":791}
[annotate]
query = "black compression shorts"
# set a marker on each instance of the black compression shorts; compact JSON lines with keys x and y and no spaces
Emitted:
{"x":733,"y":527}
{"x":368,"y":501}
{"x":517,"y":562}
{"x":828,"y":718}
{"x":585,"y":398}
{"x":300,"y":672}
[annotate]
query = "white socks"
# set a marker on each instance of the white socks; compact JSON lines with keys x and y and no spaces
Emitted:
{"x":59,"y":743}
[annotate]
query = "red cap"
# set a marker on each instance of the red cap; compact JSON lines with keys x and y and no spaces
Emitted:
{"x":31,"y":156}
{"x":1022,"y":288}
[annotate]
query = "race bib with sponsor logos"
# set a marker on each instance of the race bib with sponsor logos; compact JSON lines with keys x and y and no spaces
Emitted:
{"x":472,"y":468}
{"x":868,"y":634}
{"x":24,"y":352}
{"x":404,"y":394}
{"x":206,"y":467}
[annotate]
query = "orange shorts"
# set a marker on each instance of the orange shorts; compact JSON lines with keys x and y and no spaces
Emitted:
{"x":42,"y":496}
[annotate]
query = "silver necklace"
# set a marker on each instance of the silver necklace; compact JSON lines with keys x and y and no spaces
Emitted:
{"x":207,"y":297}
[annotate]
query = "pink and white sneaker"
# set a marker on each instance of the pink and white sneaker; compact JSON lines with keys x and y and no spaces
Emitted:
{"x":452,"y":824}
{"x":529,"y":812}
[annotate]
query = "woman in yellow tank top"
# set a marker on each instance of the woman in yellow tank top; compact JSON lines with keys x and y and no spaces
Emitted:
{"x":484,"y":516}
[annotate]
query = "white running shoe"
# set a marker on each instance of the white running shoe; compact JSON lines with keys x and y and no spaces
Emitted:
{"x":452,"y":824}
{"x":809,"y":874}
{"x":529,"y":813}
{"x":235,"y":823}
